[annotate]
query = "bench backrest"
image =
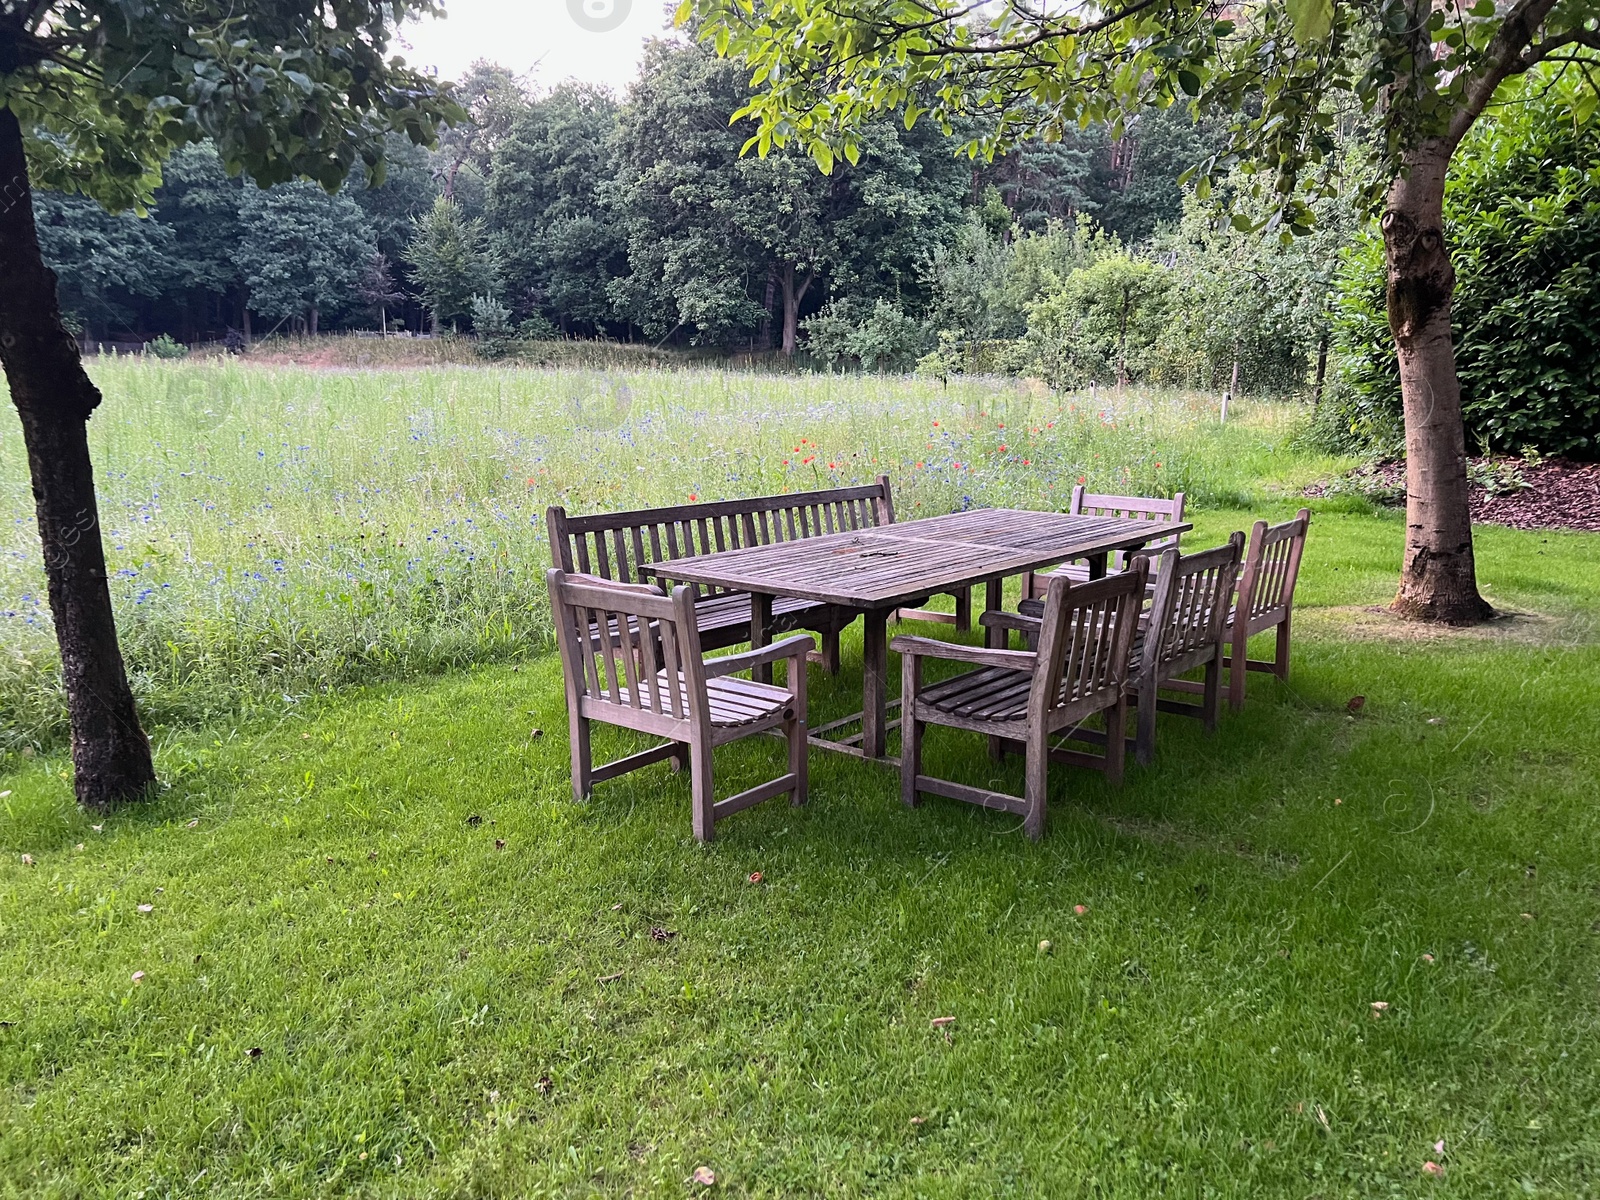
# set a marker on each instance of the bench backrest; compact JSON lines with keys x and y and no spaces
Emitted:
{"x":1138,"y":508}
{"x":617,"y":545}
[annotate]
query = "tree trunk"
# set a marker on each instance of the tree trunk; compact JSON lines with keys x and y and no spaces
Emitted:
{"x":792,"y":298}
{"x":1438,"y":581}
{"x":54,"y":398}
{"x":313,"y":321}
{"x":1322,"y":371}
{"x":766,"y":316}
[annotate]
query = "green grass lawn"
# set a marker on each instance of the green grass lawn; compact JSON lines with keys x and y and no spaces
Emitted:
{"x":351,"y":987}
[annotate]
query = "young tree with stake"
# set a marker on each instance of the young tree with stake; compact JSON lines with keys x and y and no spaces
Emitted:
{"x":94,"y":96}
{"x":1420,"y":71}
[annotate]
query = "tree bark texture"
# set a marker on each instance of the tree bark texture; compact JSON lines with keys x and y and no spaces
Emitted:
{"x":54,"y":397}
{"x":792,"y":298}
{"x":1438,"y":581}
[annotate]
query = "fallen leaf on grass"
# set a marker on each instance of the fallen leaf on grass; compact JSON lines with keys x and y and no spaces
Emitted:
{"x":1080,"y":909}
{"x":97,"y":828}
{"x":1527,"y":916}
{"x":499,"y":843}
{"x":144,"y":908}
{"x":704,"y":1176}
{"x":27,"y":860}
{"x":1379,"y":1006}
{"x":5,"y":793}
{"x":616,"y":908}
{"x":545,"y":1085}
{"x":941,"y":1022}
{"x":1432,"y":1168}
{"x":1427,"y":958}
{"x":79,"y":848}
{"x":662,"y":935}
{"x":194,"y":824}
{"x":474,"y":820}
{"x":373,"y":856}
{"x":755,"y":877}
{"x":609,"y":978}
{"x":919,"y":1120}
{"x":1045,"y":947}
{"x":1355,"y":704}
{"x":1438,"y":1147}
{"x":138,"y":976}
{"x":254,"y":1052}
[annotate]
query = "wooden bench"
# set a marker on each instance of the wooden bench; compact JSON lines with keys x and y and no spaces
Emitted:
{"x":640,"y":546}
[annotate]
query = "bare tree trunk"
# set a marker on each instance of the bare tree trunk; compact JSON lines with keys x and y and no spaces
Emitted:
{"x":1438,"y":581}
{"x":766,"y":316}
{"x":54,"y":398}
{"x":1322,"y":371}
{"x":792,"y":298}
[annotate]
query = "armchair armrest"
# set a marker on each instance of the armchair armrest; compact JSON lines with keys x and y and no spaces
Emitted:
{"x":997,"y":619}
{"x":729,"y":664}
{"x":921,"y":647}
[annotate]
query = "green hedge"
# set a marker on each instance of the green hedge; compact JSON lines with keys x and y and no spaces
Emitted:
{"x":1522,"y":212}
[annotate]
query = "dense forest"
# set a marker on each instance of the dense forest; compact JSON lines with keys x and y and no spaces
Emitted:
{"x":570,"y":212}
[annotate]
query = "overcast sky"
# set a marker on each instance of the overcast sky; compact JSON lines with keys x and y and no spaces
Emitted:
{"x":598,"y":41}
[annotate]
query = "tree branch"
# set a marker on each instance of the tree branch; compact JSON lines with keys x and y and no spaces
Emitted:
{"x":1500,"y":60}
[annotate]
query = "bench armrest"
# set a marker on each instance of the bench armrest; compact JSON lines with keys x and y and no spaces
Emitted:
{"x":729,"y":664}
{"x":921,"y":647}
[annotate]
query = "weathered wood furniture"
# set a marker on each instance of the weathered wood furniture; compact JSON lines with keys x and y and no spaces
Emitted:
{"x":632,"y":658}
{"x":1094,"y":504}
{"x":1266,"y":598}
{"x":876,"y":571}
{"x":642,"y":546}
{"x":1027,"y":698}
{"x":1185,"y":630}
{"x":639,"y":546}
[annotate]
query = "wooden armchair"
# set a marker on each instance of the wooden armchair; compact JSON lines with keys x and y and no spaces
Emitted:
{"x":1186,"y":628}
{"x":1026,"y":698}
{"x":632,"y":657}
{"x":1266,"y":598}
{"x":1093,"y":504}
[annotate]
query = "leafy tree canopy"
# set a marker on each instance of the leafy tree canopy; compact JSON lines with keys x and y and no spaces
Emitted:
{"x":106,"y":90}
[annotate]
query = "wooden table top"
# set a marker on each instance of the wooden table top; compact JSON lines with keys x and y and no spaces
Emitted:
{"x":894,"y":564}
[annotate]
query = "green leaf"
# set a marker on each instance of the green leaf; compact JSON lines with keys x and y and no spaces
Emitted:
{"x":1189,"y":82}
{"x":1313,"y":19}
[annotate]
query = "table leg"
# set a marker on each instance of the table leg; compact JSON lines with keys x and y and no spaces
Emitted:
{"x":1097,"y":566}
{"x":993,"y":637}
{"x":874,"y":682}
{"x":761,"y":632}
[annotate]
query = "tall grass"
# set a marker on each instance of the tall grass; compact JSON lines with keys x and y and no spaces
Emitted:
{"x":275,"y":531}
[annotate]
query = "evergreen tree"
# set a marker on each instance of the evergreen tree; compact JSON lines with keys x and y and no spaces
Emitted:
{"x":450,"y":261}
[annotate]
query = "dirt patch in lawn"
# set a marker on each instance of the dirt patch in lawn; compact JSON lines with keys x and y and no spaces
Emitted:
{"x":1376,"y":623}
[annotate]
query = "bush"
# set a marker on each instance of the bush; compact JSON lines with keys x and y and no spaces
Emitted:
{"x":880,"y":338}
{"x":166,"y":346}
{"x":1522,"y":211}
{"x":492,"y":322}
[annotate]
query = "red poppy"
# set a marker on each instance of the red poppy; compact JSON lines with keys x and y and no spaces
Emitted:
{"x":692,"y":496}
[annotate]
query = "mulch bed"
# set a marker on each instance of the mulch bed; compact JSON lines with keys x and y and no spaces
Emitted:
{"x":1561,"y":494}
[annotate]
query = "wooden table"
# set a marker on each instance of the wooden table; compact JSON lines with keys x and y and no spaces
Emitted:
{"x":899,"y":566}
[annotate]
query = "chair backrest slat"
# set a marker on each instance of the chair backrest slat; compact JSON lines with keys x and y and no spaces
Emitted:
{"x":1272,"y":566}
{"x":623,"y":644}
{"x":1085,"y":637}
{"x":1190,"y":610}
{"x":1139,"y":508}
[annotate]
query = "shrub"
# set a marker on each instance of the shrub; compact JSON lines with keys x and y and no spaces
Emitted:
{"x":1522,"y":212}
{"x":166,"y":346}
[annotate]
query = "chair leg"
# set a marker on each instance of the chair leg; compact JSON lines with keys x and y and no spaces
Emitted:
{"x":1280,"y":664}
{"x":703,"y":818}
{"x":1117,"y":740}
{"x":582,"y":758}
{"x":1211,"y":702}
{"x":1236,"y":669}
{"x":796,"y":729}
{"x":1144,"y":744}
{"x":997,"y":749}
{"x":964,"y":610}
{"x":1037,"y":770}
{"x":911,"y":729}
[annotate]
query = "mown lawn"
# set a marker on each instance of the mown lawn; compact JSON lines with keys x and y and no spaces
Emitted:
{"x":351,"y":987}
